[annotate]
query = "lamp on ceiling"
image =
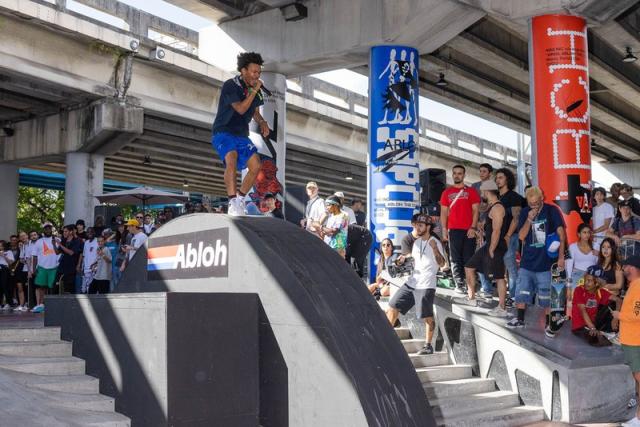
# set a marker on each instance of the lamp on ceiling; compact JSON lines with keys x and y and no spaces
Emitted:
{"x":294,"y":12}
{"x":147,"y":160}
{"x":348,"y":177}
{"x":185,"y":184}
{"x":441,"y":81}
{"x":629,"y":57}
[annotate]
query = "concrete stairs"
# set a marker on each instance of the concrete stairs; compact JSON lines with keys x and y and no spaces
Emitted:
{"x":35,"y":363}
{"x":458,"y":399}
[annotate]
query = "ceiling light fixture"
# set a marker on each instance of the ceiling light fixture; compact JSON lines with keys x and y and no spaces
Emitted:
{"x":348,"y":178}
{"x":294,"y":12}
{"x":147,"y":160}
{"x":441,"y":81}
{"x":185,"y":184}
{"x":629,"y":57}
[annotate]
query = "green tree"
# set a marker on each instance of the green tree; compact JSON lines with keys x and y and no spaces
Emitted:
{"x":37,"y":205}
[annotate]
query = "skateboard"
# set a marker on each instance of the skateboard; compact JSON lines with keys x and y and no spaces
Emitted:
{"x":558,"y":300}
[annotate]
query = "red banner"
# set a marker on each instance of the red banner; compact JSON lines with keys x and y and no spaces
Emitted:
{"x":560,"y":114}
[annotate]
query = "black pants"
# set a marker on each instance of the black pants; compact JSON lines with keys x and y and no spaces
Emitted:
{"x":99,"y":287}
{"x":69,"y":283}
{"x":461,"y":249}
{"x":5,"y":285}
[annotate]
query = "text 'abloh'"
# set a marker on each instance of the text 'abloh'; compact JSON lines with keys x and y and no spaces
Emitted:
{"x":202,"y":256}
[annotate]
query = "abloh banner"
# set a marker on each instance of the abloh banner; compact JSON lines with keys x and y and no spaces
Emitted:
{"x":560,"y":114}
{"x":393,"y":170}
{"x":189,"y":256}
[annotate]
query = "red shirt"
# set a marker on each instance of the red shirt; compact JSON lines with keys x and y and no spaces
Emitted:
{"x":461,"y":214}
{"x":591,"y":301}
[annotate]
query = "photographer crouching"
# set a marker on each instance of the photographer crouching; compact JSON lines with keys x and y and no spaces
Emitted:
{"x":420,"y":288}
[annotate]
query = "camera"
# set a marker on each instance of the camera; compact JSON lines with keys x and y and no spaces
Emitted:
{"x":404,"y":269}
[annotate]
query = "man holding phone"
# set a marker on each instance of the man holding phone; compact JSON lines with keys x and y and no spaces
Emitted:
{"x":240,"y":99}
{"x":137,"y":240}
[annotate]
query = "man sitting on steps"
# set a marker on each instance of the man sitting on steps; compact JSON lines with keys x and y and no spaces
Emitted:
{"x":420,"y":288}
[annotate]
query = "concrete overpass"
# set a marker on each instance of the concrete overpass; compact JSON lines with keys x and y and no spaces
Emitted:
{"x":94,"y":101}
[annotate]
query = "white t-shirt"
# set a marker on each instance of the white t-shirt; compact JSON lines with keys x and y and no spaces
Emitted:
{"x":25,"y":255}
{"x":351,"y":213}
{"x":136,"y":241}
{"x":89,"y":253}
{"x":426,"y":267}
{"x":314,"y":211}
{"x":44,"y":250}
{"x":600,"y":214}
{"x":580,"y":260}
{"x":10,"y":258}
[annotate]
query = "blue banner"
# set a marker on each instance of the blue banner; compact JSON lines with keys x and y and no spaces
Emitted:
{"x":394,"y":163}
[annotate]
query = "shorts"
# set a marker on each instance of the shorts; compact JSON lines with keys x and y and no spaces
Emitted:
{"x":224,"y":143}
{"x":532,"y":283}
{"x":46,"y":277}
{"x":21,"y":277}
{"x":492,"y":268}
{"x":405,"y":298}
{"x":632,"y":356}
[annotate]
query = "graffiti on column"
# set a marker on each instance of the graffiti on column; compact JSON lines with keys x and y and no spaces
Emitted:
{"x":394,"y":189}
{"x":561,"y":113}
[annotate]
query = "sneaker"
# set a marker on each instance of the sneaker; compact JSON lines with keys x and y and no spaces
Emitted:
{"x":633,"y":402}
{"x":242,"y":205}
{"x":15,"y":302}
{"x":460,"y":290}
{"x":427,"y":349}
{"x":498,"y":312}
{"x":633,"y":422}
{"x":509,"y":303}
{"x":234,"y":207}
{"x":549,"y":333}
{"x":515,"y":323}
{"x":5,"y":307}
{"x":38,"y":308}
{"x":485,"y":295}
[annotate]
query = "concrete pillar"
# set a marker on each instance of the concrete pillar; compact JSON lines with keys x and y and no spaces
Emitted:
{"x":84,"y":179}
{"x":9,"y":205}
{"x":560,"y":114}
{"x":393,"y":169}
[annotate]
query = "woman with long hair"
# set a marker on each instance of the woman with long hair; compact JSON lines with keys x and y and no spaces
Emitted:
{"x":387,"y":257}
{"x":608,"y":261}
{"x":582,"y":255}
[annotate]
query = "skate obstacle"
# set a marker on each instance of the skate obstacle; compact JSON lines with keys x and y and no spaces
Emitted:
{"x":242,"y":321}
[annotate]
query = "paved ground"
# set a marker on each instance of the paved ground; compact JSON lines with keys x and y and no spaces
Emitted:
{"x":21,"y":320}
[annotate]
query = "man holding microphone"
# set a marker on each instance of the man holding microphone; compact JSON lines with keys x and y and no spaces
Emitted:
{"x":239,"y":100}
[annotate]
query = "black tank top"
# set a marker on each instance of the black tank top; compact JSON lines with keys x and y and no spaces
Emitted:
{"x":488,"y":226}
{"x":610,"y":276}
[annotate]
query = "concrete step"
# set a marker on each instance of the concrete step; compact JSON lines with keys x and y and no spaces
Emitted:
{"x":30,"y":334}
{"x":403,"y":333}
{"x":44,"y":365}
{"x":103,"y":419}
{"x":474,"y":403}
{"x":412,"y":345}
{"x":76,"y":384}
{"x":511,"y":417}
{"x":36,"y":348}
{"x":461,"y":387}
{"x":428,"y":360}
{"x":443,"y":373}
{"x":90,"y":402}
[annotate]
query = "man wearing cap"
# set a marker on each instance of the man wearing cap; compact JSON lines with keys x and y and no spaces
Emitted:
{"x":137,"y":240}
{"x":346,"y":209}
{"x":419,"y":290}
{"x":590,"y":314}
{"x":273,"y":211}
{"x":489,"y":259}
{"x":625,"y":229}
{"x":459,"y":217}
{"x":626,"y":192}
{"x":629,"y":318}
{"x":45,"y":257}
{"x":536,"y":224}
{"x":314,"y":209}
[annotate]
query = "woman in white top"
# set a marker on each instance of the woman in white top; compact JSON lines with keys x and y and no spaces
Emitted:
{"x":603,"y":214}
{"x":582,"y":255}
{"x":6,"y":258}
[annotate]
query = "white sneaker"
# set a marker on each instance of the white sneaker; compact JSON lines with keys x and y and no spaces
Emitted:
{"x":234,"y":207}
{"x":498,"y":312}
{"x":37,"y":308}
{"x":633,"y":422}
{"x":242,"y":204}
{"x":5,"y":307}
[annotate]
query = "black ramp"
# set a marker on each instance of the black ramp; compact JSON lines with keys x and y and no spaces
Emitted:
{"x":346,"y":366}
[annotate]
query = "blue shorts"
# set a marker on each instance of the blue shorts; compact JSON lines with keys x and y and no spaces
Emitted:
{"x":532,"y":283}
{"x":224,"y":143}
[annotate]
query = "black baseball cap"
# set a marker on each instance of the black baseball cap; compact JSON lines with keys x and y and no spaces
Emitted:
{"x":633,"y":261}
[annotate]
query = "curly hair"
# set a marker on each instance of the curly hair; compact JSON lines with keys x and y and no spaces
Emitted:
{"x":511,"y":179}
{"x":246,"y":58}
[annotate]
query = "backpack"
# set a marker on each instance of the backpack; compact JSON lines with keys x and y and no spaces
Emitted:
{"x":359,"y":240}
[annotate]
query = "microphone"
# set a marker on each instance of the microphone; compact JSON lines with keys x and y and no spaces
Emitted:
{"x":266,"y":91}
